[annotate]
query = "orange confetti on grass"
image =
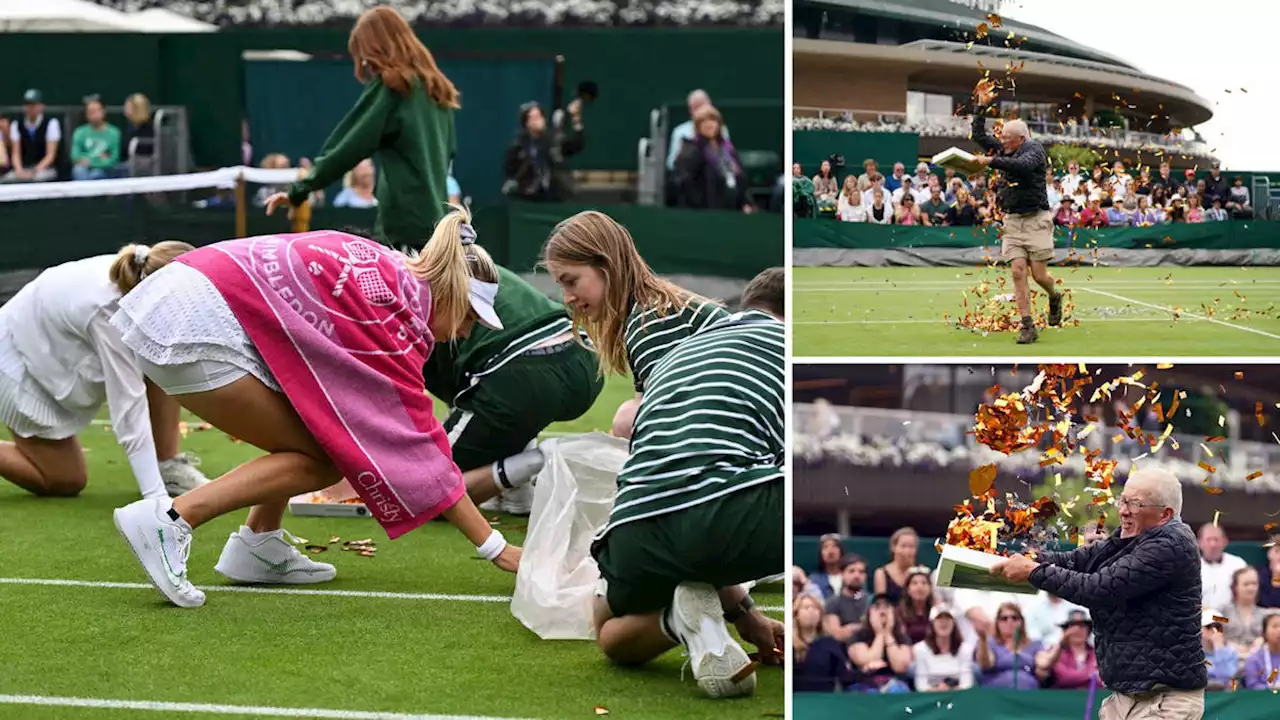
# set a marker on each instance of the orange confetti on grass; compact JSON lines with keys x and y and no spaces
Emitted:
{"x":981,"y":479}
{"x":601,"y":710}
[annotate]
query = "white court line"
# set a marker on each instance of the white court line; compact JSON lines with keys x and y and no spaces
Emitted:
{"x":254,"y":590}
{"x":1168,"y":309}
{"x":951,"y":323}
{"x":549,"y":433}
{"x":255,"y":710}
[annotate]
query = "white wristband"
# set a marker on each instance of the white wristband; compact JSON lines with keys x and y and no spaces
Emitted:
{"x":493,"y":546}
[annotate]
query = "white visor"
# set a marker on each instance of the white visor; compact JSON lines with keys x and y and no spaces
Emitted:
{"x":482,"y":294}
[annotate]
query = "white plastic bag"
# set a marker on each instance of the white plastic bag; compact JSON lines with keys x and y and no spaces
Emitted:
{"x":555,"y":587}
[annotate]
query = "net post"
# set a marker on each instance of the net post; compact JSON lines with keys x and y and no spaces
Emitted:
{"x":301,"y":217}
{"x":242,"y":219}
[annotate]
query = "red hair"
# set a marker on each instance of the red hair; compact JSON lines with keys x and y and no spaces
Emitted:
{"x":382,"y":43}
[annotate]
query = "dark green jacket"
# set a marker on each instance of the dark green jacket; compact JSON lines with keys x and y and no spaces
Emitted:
{"x":412,"y":140}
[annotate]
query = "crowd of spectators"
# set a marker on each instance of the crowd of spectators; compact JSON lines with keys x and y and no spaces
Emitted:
{"x":893,"y":631}
{"x":1114,"y":196}
{"x":704,"y":170}
{"x":34,"y":146}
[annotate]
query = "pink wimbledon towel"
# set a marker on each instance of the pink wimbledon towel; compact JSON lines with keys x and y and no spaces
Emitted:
{"x":342,"y":324}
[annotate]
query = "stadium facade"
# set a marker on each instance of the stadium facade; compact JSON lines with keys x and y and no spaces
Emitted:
{"x":879,"y":65}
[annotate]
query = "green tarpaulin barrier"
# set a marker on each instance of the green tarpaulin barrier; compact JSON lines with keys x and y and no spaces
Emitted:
{"x":811,"y":147}
{"x":1232,"y":235}
{"x":1007,"y":705}
{"x":43,"y":233}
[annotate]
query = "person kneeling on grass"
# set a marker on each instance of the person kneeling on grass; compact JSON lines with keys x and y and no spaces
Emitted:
{"x":310,"y":347}
{"x":505,"y":386}
{"x":766,"y":292}
{"x":60,"y":360}
{"x":699,"y":509}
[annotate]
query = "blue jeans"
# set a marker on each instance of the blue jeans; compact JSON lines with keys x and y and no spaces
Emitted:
{"x":84,"y":172}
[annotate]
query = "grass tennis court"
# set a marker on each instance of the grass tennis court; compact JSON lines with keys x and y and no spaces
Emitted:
{"x":1148,"y":311}
{"x":437,"y":640}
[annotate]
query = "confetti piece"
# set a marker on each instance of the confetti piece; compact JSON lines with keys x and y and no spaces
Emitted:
{"x":1239,"y":374}
{"x":313,"y":549}
{"x":1253,"y":475}
{"x":1164,"y":366}
{"x":981,"y":479}
{"x":1216,"y":515}
{"x":1214,"y":490}
{"x":601,"y":710}
{"x":334,"y":539}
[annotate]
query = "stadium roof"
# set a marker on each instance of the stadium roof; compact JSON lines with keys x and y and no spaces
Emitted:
{"x":951,"y":14}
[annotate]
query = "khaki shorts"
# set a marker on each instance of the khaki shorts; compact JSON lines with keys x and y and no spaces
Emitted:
{"x":1028,"y":236}
{"x":1162,"y":705}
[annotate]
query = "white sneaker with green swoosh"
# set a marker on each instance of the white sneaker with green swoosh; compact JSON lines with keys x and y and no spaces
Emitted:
{"x":270,"y":558}
{"x":161,"y":545}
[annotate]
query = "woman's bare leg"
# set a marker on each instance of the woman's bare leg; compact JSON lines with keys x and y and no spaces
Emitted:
{"x":44,"y":467}
{"x":166,"y":413}
{"x":251,"y":411}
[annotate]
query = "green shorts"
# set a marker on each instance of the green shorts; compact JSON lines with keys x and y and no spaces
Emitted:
{"x":726,"y":541}
{"x":509,"y":407}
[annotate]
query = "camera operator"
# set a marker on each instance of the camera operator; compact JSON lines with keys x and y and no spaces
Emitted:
{"x":535,"y":163}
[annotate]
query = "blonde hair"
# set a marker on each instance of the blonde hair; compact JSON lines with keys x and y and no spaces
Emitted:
{"x":596,"y":240}
{"x":137,"y":108}
{"x":131,"y":266}
{"x":798,"y":645}
{"x":447,"y":266}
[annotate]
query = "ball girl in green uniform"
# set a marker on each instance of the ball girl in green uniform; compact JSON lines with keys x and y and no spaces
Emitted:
{"x":403,"y":119}
{"x":700,"y":502}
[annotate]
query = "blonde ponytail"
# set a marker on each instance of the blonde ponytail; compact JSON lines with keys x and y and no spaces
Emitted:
{"x":447,"y":263}
{"x":135,"y":262}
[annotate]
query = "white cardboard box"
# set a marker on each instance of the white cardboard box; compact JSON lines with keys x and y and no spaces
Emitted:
{"x":962,"y":568}
{"x":958,"y":160}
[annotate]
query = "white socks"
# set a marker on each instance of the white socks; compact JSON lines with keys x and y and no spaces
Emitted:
{"x":518,"y":469}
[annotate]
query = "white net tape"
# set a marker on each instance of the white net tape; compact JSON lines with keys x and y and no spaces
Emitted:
{"x":222,"y":179}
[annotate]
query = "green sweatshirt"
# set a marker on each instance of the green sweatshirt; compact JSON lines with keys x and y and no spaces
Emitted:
{"x":412,"y":140}
{"x":101,"y":147}
{"x":528,"y":318}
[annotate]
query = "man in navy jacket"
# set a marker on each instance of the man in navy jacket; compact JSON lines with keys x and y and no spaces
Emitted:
{"x":1142,"y":586}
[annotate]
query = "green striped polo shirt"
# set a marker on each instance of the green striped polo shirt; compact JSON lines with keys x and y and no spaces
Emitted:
{"x":711,"y":421}
{"x":651,"y":333}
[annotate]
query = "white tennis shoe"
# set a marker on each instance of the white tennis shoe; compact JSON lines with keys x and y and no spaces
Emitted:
{"x":720,"y":665}
{"x":162,"y":546}
{"x":270,"y":558}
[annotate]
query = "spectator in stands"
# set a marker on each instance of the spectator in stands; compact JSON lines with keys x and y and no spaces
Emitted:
{"x":1121,"y":180}
{"x":963,"y":212}
{"x":138,"y":146}
{"x":1093,"y":216}
{"x":1165,"y":180}
{"x":922,"y":175}
{"x":1269,"y":590}
{"x":825,"y":188}
{"x":943,"y":661}
{"x":935,"y":208}
{"x":904,"y":190}
{"x":1191,"y":210}
{"x":916,"y":603}
{"x":1145,"y":215}
{"x":892,"y":577}
{"x":1244,"y":617}
{"x":1119,"y":213}
{"x":273,"y":161}
{"x":1007,"y":656}
{"x":954,"y":186}
{"x":1045,"y":615}
{"x":869,"y":168}
{"x":1072,"y":178}
{"x":1066,"y":215}
{"x":534,"y":168}
{"x":800,"y":584}
{"x":1215,"y":213}
{"x":95,"y":146}
{"x":1142,"y":186}
{"x":1054,"y":191}
{"x":34,"y":140}
{"x":1215,"y":186}
{"x":830,"y":575}
{"x":1159,"y":196}
{"x":881,"y":651}
{"x":1260,"y":669}
{"x":1238,"y":200}
{"x":4,"y":147}
{"x":1072,"y":662}
{"x":879,"y":213}
{"x":357,"y":191}
{"x":1217,"y":566}
{"x":849,"y":207}
{"x":894,"y":181}
{"x":708,"y":173}
{"x":819,"y":661}
{"x":844,"y":613}
{"x":687,"y":130}
{"x":1222,"y":660}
